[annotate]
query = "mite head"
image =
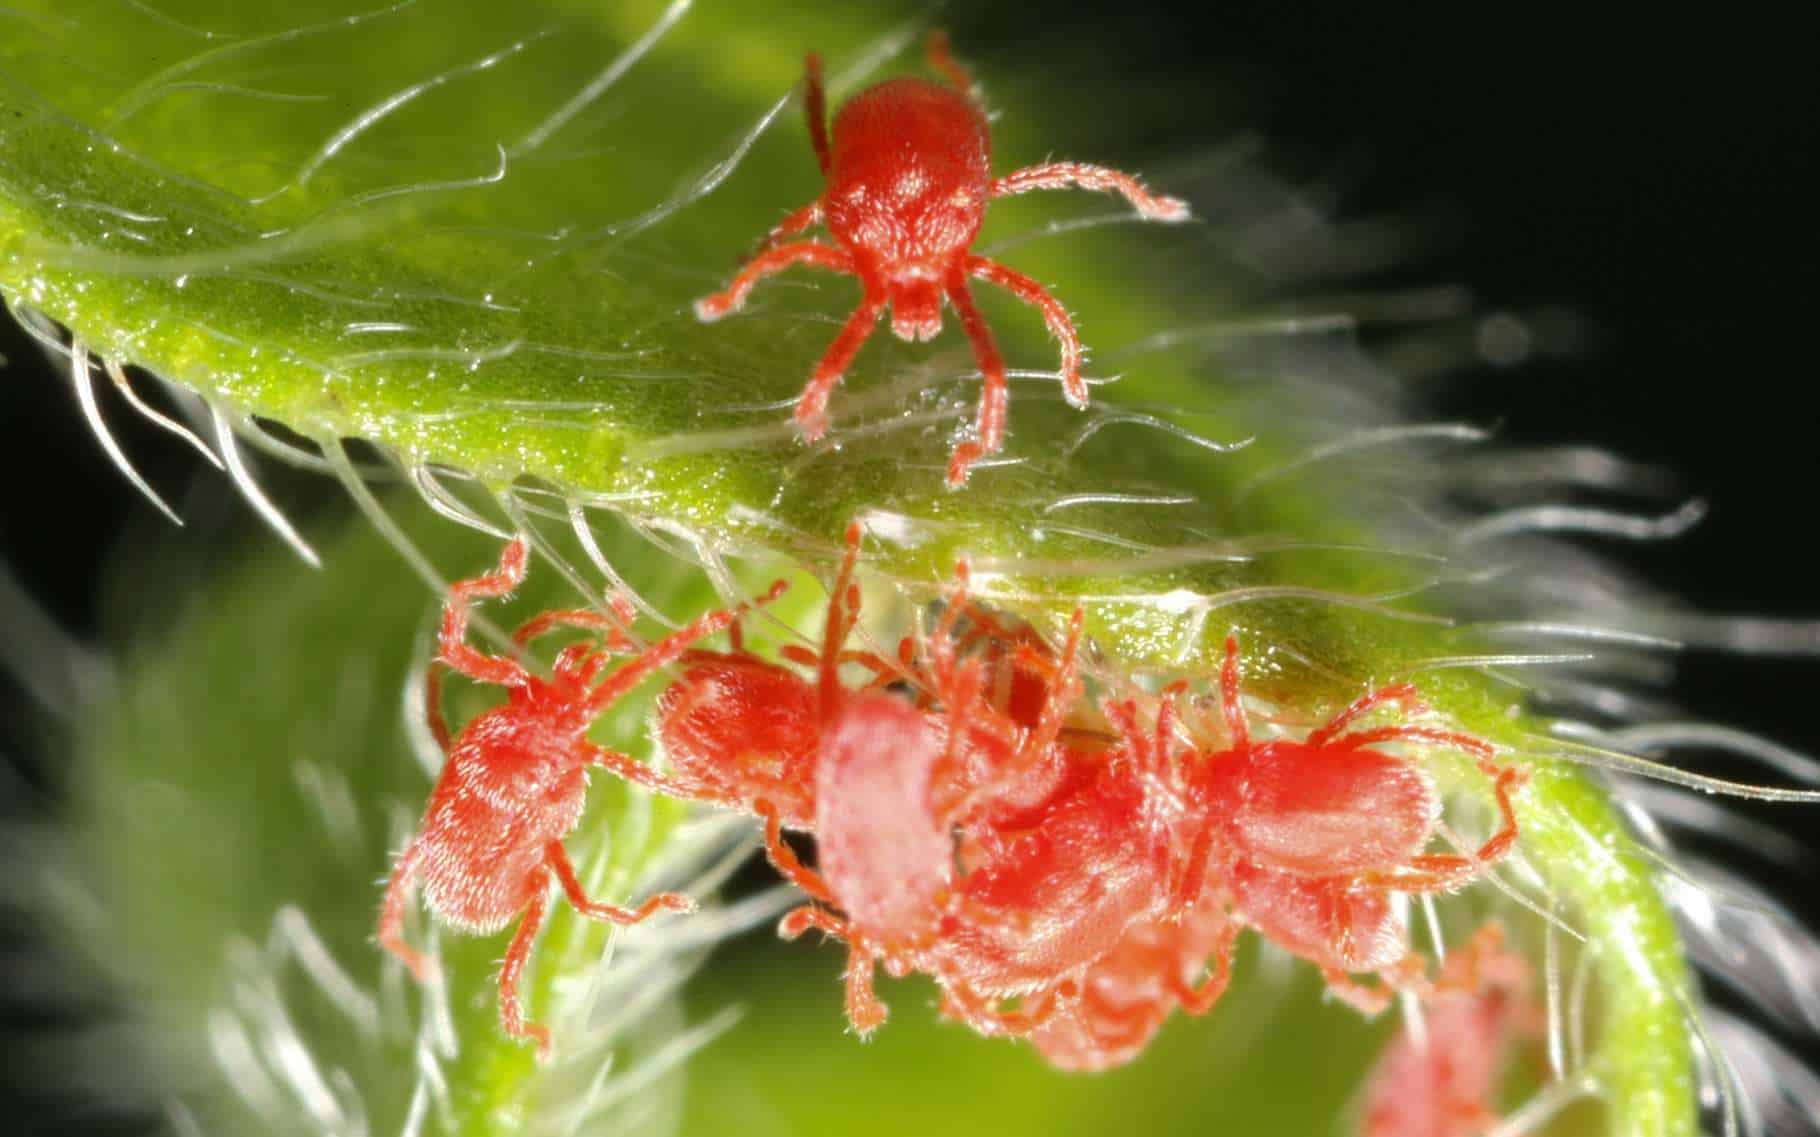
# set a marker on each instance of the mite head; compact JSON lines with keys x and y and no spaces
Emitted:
{"x":916,"y":305}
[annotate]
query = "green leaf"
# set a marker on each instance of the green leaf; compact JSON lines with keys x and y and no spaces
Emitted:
{"x":470,"y":235}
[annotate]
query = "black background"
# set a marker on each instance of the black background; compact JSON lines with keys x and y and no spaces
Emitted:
{"x":1651,"y":175}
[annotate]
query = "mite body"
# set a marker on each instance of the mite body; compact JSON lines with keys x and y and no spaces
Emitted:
{"x":1064,"y":871}
{"x":511,"y":790}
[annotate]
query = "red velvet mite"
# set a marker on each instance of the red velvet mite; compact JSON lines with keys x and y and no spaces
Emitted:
{"x":908,"y":177}
{"x":515,"y":780}
{"x":1310,"y":840}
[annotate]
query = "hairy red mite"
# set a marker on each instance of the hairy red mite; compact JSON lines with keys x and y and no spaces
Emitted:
{"x":1442,"y":1083}
{"x":908,"y":177}
{"x":1309,"y":840}
{"x":515,"y":780}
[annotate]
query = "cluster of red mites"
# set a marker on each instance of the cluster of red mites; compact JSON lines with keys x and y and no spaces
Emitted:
{"x":1067,"y":870}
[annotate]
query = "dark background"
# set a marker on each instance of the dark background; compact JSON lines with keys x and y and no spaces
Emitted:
{"x":1650,"y":175}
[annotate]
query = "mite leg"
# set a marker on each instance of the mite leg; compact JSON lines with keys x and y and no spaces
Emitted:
{"x":1061,"y":326}
{"x":864,"y":1011}
{"x":1135,"y":1025}
{"x":578,"y":662}
{"x":984,"y":1017}
{"x":1168,"y":717}
{"x":558,"y":860}
{"x":800,"y":920}
{"x":1482,"y":751}
{"x":1056,"y":701}
{"x":943,"y":63}
{"x":941,"y":646}
{"x":630,"y":769}
{"x":667,"y":651}
{"x":613,"y":627}
{"x":432,"y":706}
{"x":711,"y":308}
{"x":1183,"y":876}
{"x":1485,"y":964}
{"x":1187,"y":876}
{"x":793,"y":223}
{"x":843,"y":610}
{"x":812,"y":406}
{"x":1402,"y":694}
{"x":1439,"y":872}
{"x":1200,"y":998}
{"x":452,"y":642}
{"x":960,"y":693}
{"x":815,"y":108}
{"x":784,"y":859}
{"x":511,"y":1013}
{"x":391,"y":915}
{"x":1407,"y":974}
{"x":1230,"y":707}
{"x":1369,"y":1000}
{"x":995,"y":395}
{"x":1067,"y":175}
{"x":884,"y":671}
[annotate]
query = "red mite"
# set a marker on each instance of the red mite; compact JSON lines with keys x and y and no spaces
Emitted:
{"x":515,"y":780}
{"x":1443,"y":1083}
{"x":908,"y":178}
{"x":1309,"y":840}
